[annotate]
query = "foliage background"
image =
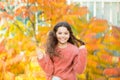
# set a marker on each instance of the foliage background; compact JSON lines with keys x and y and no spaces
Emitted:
{"x":25,"y":23}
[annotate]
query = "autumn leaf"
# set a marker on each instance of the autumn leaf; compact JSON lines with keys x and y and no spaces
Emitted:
{"x":98,"y":25}
{"x":112,"y":72}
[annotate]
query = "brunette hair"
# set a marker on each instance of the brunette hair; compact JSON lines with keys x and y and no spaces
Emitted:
{"x":52,"y":39}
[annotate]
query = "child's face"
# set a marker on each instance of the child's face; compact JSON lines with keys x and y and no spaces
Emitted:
{"x":62,"y":35}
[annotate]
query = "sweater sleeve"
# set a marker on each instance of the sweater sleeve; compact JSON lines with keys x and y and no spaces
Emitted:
{"x":47,"y":65}
{"x":80,"y":61}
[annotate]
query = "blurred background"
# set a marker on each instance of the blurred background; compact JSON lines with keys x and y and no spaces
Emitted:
{"x":24,"y":24}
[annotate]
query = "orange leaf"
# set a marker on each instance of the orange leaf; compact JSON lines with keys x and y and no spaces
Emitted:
{"x":1,"y":5}
{"x":98,"y":25}
{"x":31,"y":1}
{"x":112,"y":72}
{"x":79,"y":11}
{"x":20,"y":10}
{"x":2,"y":46}
{"x":107,"y":58}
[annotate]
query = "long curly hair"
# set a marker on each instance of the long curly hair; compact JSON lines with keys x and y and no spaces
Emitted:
{"x":52,"y":39}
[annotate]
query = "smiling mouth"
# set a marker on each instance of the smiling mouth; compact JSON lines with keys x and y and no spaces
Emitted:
{"x":62,"y":39}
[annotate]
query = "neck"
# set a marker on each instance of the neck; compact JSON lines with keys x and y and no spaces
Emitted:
{"x":62,"y":45}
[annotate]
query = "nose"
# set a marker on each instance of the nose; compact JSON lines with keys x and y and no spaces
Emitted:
{"x":62,"y":35}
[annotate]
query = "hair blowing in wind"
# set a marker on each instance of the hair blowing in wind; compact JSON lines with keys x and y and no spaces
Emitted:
{"x":52,"y":39}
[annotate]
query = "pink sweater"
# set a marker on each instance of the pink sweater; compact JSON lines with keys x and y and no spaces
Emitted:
{"x":71,"y":62}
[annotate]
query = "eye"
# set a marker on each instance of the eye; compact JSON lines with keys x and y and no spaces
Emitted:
{"x":59,"y":32}
{"x":66,"y":33}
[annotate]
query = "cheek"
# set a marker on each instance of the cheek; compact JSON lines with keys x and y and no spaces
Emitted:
{"x":69,"y":36}
{"x":57,"y":35}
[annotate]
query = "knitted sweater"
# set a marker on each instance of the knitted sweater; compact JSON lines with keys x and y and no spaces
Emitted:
{"x":72,"y":61}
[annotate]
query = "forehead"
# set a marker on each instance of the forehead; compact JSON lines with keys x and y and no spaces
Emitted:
{"x":62,"y":28}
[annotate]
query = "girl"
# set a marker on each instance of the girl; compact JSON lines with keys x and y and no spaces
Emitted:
{"x":63,"y":59}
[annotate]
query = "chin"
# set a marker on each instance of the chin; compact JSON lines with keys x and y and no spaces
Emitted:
{"x":63,"y":42}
